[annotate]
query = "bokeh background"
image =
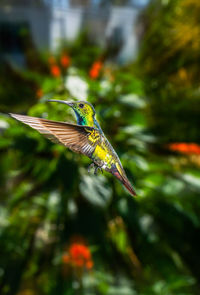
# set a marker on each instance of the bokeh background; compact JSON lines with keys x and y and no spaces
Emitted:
{"x":64,"y":231}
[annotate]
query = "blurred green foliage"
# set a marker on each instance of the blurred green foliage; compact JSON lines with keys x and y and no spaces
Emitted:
{"x":143,"y":245}
{"x":169,"y":65}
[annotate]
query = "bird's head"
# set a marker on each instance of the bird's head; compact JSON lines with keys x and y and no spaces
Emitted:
{"x":84,"y":111}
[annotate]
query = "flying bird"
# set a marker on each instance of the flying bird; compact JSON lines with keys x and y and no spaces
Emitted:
{"x":85,"y":138}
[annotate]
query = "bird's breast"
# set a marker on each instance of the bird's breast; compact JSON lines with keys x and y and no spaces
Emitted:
{"x":102,"y":154}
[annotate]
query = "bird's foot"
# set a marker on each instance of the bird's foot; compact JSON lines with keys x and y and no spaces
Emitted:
{"x":96,"y":168}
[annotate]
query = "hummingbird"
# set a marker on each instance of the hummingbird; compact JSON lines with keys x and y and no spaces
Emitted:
{"x":86,"y":137}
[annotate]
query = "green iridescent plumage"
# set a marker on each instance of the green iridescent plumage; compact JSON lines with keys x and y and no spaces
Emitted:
{"x":87,"y":138}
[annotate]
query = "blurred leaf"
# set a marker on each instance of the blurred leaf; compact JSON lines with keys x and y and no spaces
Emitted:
{"x":96,"y":190}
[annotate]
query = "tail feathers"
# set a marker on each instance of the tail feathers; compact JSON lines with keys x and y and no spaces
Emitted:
{"x":124,"y":180}
{"x":128,"y":186}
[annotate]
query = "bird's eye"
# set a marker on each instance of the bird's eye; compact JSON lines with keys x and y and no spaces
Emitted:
{"x":81,"y":105}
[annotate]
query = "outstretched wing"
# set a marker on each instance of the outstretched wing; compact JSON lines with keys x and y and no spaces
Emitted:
{"x":80,"y":139}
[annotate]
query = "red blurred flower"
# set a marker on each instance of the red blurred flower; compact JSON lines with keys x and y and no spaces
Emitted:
{"x":65,"y":60}
{"x":95,"y":69}
{"x":79,"y":255}
{"x":185,"y":148}
{"x":55,"y":71}
{"x":94,"y":74}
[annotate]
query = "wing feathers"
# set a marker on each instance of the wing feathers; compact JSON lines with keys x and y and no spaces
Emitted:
{"x":72,"y":136}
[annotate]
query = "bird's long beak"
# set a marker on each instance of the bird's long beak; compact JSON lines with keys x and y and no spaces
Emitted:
{"x":61,"y":101}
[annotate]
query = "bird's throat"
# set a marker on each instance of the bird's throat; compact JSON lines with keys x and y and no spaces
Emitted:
{"x":87,"y":120}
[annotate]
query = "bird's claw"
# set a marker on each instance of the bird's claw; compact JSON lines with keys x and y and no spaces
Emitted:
{"x":96,"y":168}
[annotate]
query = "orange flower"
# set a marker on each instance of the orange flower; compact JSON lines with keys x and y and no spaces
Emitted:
{"x":65,"y":60}
{"x":185,"y":148}
{"x":55,"y":71}
{"x":94,"y":73}
{"x":79,"y":256}
{"x":95,"y":69}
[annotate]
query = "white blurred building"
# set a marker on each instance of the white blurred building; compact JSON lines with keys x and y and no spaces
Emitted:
{"x":51,"y":21}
